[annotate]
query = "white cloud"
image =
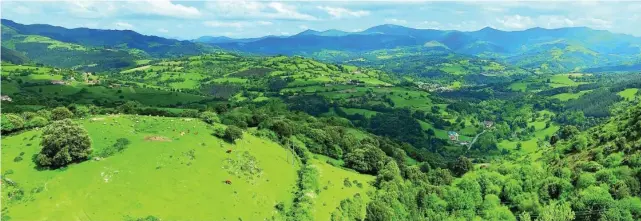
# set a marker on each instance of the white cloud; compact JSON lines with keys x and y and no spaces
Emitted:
{"x":264,"y":23}
{"x":256,"y":9}
{"x":21,"y":10}
{"x":162,"y":30}
{"x":430,"y":24}
{"x":395,"y":21}
{"x":219,"y":24}
{"x":515,"y":22}
{"x":284,"y":33}
{"x":235,"y":24}
{"x":123,"y":25}
{"x":103,"y":9}
{"x":304,"y":27}
{"x":164,"y":8}
{"x":343,"y":12}
{"x":555,"y":21}
{"x":91,"y":9}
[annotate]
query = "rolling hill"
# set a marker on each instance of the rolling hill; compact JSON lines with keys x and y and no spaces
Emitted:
{"x":90,"y":49}
{"x":572,"y":48}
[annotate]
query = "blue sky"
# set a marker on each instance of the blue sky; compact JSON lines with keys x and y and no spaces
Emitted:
{"x":192,"y":19}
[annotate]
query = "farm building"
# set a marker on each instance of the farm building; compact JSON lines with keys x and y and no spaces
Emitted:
{"x":453,"y":135}
{"x":488,"y":123}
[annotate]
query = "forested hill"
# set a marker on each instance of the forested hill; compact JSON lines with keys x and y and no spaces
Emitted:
{"x":116,"y":39}
{"x":538,"y":49}
{"x":88,"y":49}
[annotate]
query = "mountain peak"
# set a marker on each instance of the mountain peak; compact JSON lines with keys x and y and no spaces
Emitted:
{"x":488,"y":29}
{"x":389,"y":29}
{"x":309,"y":32}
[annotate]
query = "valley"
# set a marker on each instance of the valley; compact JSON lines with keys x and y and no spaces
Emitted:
{"x":387,"y":123}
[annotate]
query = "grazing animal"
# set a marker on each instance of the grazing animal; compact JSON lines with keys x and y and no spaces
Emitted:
{"x":228,"y":182}
{"x":182,"y":133}
{"x":229,"y":151}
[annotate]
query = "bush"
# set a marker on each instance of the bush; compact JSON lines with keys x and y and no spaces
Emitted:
{"x":61,"y":113}
{"x":232,"y":133}
{"x":37,"y":122}
{"x":80,"y":110}
{"x":11,"y":122}
{"x":210,"y":117}
{"x":63,"y":142}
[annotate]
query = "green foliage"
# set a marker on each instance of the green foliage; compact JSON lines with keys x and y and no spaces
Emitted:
{"x":63,"y":142}
{"x":233,"y":133}
{"x":366,"y":159}
{"x":556,"y":212}
{"x":209,"y":117}
{"x":37,"y":122}
{"x":11,"y":122}
{"x":61,"y":113}
{"x":120,"y":145}
{"x":461,"y":166}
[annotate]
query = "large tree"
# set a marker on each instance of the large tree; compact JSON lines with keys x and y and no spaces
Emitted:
{"x":63,"y":142}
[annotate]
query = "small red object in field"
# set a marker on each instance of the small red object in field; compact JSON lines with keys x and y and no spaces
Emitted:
{"x":228,"y":181}
{"x":229,"y":151}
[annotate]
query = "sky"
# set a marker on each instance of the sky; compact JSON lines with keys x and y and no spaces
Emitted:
{"x":242,"y":19}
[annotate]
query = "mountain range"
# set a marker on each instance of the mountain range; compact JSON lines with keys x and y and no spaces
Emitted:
{"x":552,"y":50}
{"x":537,"y":49}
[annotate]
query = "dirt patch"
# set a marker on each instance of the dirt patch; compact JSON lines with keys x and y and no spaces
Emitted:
{"x":157,"y":138}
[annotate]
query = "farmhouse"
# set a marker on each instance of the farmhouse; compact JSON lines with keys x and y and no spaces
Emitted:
{"x":453,"y":135}
{"x":488,"y":123}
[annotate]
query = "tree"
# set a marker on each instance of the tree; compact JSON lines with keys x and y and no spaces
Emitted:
{"x":556,"y":212}
{"x":11,"y":122}
{"x":61,"y":113}
{"x":461,"y":166}
{"x":378,"y":211}
{"x":63,"y":142}
{"x":210,"y":117}
{"x":232,"y":133}
{"x":129,"y":107}
{"x":80,"y":110}
{"x":366,"y":159}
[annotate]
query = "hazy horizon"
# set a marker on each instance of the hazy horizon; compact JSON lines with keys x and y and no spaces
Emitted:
{"x":247,"y":19}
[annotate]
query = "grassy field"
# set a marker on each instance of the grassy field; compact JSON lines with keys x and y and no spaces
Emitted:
{"x":161,"y":173}
{"x":334,"y":190}
{"x":570,"y":96}
{"x":629,"y":94}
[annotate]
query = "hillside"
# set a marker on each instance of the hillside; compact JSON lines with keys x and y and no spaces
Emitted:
{"x":90,"y":49}
{"x":384,"y":124}
{"x":588,"y":48}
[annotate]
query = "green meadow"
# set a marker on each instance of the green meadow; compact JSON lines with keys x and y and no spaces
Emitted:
{"x":162,"y":172}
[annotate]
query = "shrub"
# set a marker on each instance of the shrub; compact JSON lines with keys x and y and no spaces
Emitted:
{"x":11,"y":122}
{"x":232,"y":133}
{"x":61,"y":113}
{"x":210,"y":117}
{"x":63,"y":142}
{"x":37,"y":122}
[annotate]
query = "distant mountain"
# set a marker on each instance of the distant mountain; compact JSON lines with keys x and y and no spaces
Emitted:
{"x":113,"y":39}
{"x":224,"y":39}
{"x":572,"y":48}
{"x":88,"y":49}
{"x":12,"y":56}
